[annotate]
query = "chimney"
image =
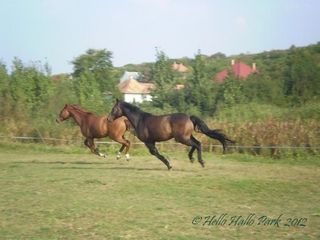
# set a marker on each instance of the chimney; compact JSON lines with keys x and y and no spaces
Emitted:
{"x":254,"y":67}
{"x":232,"y":62}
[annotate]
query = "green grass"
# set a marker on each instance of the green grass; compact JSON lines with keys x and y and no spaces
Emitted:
{"x":61,"y":195}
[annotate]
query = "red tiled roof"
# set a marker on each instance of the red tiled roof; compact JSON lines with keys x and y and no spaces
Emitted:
{"x":239,"y":70}
{"x":221,"y":76}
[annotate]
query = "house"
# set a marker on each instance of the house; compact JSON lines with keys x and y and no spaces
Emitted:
{"x":239,"y":70}
{"x":133,"y":90}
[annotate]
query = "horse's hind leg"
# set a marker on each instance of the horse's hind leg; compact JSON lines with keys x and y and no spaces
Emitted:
{"x":198,"y":146}
{"x":195,"y":144}
{"x":127,"y":146}
{"x":120,"y":151}
{"x":190,"y":154}
{"x":154,"y":151}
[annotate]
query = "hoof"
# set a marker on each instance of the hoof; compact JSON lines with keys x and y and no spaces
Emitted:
{"x":202,"y":164}
{"x":191,"y":160}
{"x":127,"y":157}
{"x":169,"y":168}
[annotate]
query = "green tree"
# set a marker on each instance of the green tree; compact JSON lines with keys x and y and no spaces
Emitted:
{"x":302,"y":80}
{"x":4,"y":79}
{"x":30,"y":86}
{"x":93,"y":78}
{"x":262,"y":89}
{"x":4,"y":92}
{"x":87,"y":91}
{"x":99,"y":64}
{"x":163,"y":77}
{"x":200,"y":90}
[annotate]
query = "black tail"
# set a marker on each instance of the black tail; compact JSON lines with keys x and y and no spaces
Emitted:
{"x":215,"y":133}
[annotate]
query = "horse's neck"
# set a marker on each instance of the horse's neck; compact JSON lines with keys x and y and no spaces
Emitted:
{"x":133,"y":116}
{"x":77,"y":116}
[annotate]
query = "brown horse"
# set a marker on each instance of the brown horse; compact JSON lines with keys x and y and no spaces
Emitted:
{"x":93,"y":126}
{"x":151,"y":129}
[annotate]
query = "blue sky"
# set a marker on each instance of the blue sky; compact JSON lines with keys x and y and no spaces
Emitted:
{"x":57,"y":31}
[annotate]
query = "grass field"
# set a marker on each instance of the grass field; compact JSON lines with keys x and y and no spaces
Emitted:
{"x":59,"y":195}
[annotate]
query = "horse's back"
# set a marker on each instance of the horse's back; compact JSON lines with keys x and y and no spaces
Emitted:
{"x":182,"y":126}
{"x":118,"y":127}
{"x":165,"y":127}
{"x":97,"y":126}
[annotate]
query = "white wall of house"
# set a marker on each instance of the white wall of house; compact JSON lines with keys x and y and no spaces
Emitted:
{"x":137,"y":97}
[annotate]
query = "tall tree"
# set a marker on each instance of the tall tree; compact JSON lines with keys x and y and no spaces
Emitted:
{"x":4,"y":79}
{"x":4,"y":91}
{"x":162,"y":75}
{"x":29,"y":85}
{"x":97,"y":62}
{"x":303,"y":76}
{"x":200,"y":88}
{"x":93,"y":76}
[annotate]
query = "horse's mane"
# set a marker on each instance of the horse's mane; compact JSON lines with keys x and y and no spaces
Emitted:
{"x":132,"y":107}
{"x":79,"y":108}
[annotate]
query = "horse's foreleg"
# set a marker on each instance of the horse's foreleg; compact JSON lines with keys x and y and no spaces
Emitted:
{"x":89,"y":142}
{"x":154,"y":151}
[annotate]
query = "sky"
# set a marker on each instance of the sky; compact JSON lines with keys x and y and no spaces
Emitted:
{"x":58,"y":31}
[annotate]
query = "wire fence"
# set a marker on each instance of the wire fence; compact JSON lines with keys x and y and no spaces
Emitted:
{"x":235,"y":146}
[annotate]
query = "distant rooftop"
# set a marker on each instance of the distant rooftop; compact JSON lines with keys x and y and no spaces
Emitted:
{"x":239,"y":69}
{"x":180,"y":67}
{"x":133,"y":86}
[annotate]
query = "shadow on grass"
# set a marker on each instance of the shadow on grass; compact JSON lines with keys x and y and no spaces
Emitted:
{"x":113,"y":168}
{"x":90,"y":165}
{"x":63,"y":162}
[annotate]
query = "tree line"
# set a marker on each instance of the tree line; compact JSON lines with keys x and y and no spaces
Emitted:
{"x":284,"y":78}
{"x":31,"y":97}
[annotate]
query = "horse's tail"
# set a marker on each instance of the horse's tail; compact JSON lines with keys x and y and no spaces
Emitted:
{"x":217,"y":134}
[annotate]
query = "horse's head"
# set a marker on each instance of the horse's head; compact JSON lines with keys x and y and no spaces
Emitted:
{"x":64,"y":114}
{"x":116,"y":111}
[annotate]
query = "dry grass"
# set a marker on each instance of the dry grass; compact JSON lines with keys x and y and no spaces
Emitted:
{"x":272,"y":133}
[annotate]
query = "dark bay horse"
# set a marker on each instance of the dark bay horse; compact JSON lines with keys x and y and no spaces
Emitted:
{"x":151,"y":129}
{"x":93,"y":126}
